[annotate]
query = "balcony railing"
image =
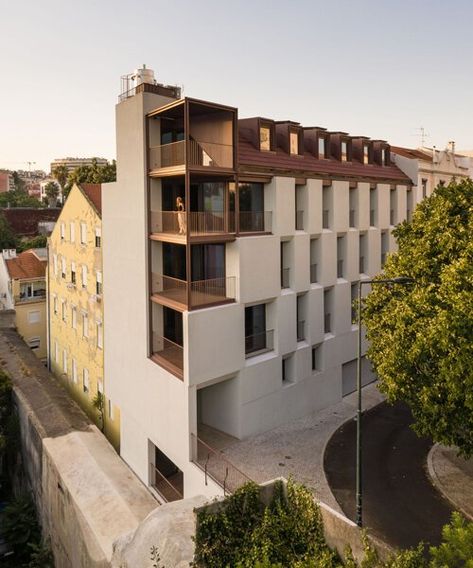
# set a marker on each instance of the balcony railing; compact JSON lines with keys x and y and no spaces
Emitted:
{"x":259,"y":343}
{"x":205,"y":154}
{"x":202,"y":292}
{"x":325,"y":219}
{"x":201,"y":222}
{"x":216,"y":466}
{"x":256,"y":221}
{"x":313,"y":273}
{"x":169,"y":488}
{"x":300,"y":330}
{"x":210,"y":154}
{"x":38,"y":295}
{"x":299,"y":220}
{"x":169,"y":351}
{"x":352,"y":221}
{"x":285,"y":277}
{"x":167,"y":155}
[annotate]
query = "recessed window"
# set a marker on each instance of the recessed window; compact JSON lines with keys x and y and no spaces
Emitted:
{"x":63,"y":231}
{"x":55,"y":264}
{"x":288,"y":370}
{"x":99,"y":335}
{"x":74,"y":317}
{"x":85,"y":380}
{"x":366,"y":154}
{"x":63,"y":267}
{"x":317,"y":358}
{"x":73,"y":273}
{"x":83,"y":234}
{"x":344,"y":151}
{"x":321,"y":147}
{"x":74,"y":370}
{"x":84,"y":276}
{"x":293,"y":143}
{"x":98,"y":284}
{"x":328,"y":309}
{"x":55,"y":305}
{"x":63,"y":310}
{"x":383,"y":156}
{"x":98,"y":237}
{"x":72,"y":229}
{"x":85,"y":325}
{"x":265,"y":138}
{"x":354,"y":298}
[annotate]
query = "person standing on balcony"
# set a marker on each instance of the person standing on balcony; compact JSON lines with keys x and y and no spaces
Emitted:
{"x":181,"y":215}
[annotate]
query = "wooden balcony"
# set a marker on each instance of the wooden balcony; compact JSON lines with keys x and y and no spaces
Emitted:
{"x":168,"y":355}
{"x":182,"y":295}
{"x":171,"y":226}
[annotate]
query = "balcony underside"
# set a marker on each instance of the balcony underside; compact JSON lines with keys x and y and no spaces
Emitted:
{"x":177,"y":299}
{"x":195,"y":238}
{"x":181,"y":170}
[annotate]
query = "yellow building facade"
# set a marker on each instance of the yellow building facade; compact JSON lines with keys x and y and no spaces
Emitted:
{"x":76,"y":324}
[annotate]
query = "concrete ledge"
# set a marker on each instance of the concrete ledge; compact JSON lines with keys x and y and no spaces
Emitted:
{"x":453,"y":477}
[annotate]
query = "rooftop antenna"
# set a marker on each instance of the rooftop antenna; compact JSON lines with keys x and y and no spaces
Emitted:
{"x":423,"y":135}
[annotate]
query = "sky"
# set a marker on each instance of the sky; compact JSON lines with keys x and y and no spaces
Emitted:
{"x":380,"y":68}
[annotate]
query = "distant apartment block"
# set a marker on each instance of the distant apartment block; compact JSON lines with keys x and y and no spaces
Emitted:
{"x":23,"y":289}
{"x":73,"y":163}
{"x":6,"y":181}
{"x":233,"y":253}
{"x":76,"y":315}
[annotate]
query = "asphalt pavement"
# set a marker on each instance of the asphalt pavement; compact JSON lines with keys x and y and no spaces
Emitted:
{"x":400,"y":505}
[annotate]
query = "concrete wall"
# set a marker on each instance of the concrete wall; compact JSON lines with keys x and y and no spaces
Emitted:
{"x":86,"y":496}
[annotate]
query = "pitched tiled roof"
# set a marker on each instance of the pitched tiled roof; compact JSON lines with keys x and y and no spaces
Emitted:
{"x":307,"y":163}
{"x":94,"y":192}
{"x":26,"y":265}
{"x":411,"y":153}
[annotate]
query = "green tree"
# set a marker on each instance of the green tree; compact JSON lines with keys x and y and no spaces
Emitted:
{"x":7,"y":236}
{"x":91,"y":174}
{"x":60,"y":174}
{"x":51,"y":190}
{"x":421,"y":335}
{"x":456,"y":548}
{"x":18,"y":199}
{"x":18,"y":183}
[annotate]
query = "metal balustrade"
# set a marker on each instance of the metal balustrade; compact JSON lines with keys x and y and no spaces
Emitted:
{"x":168,"y":350}
{"x":256,"y":221}
{"x":200,"y":153}
{"x":259,"y":343}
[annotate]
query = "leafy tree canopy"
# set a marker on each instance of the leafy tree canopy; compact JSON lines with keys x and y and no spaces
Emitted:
{"x":421,"y":335}
{"x":18,"y":199}
{"x":7,"y":236}
{"x":91,"y":174}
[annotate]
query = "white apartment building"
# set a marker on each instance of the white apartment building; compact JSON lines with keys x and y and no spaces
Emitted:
{"x":429,"y":167}
{"x":232,"y":253}
{"x":73,"y":163}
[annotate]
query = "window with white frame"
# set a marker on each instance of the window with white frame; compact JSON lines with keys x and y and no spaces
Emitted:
{"x":74,"y":370}
{"x":64,"y":360}
{"x":98,"y":237}
{"x":99,"y":335}
{"x":63,"y":231}
{"x":72,"y":231}
{"x":83,"y":234}
{"x":34,"y":316}
{"x":110,"y":409}
{"x":84,"y":276}
{"x":85,"y":380}
{"x":98,"y":284}
{"x":85,"y":325}
{"x":34,"y":342}
{"x":74,"y":317}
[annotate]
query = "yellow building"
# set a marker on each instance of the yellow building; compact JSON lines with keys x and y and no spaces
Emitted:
{"x":23,"y":289}
{"x":76,"y":306}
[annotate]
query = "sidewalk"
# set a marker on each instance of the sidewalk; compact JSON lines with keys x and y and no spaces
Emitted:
{"x":297,"y":448}
{"x":453,"y":477}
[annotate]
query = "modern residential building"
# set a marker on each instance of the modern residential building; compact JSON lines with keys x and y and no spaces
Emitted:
{"x":23,"y":289}
{"x":429,"y":167}
{"x":73,"y":163}
{"x":76,"y":321}
{"x":232,"y":253}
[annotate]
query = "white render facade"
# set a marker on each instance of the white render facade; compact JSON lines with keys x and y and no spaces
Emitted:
{"x":326,"y":231}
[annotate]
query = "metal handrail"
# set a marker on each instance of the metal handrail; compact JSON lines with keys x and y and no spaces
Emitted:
{"x":167,"y":482}
{"x":230,"y":468}
{"x":255,"y":221}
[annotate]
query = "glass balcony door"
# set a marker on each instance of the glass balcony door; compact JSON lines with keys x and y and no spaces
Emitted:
{"x":207,"y":207}
{"x":251,"y":207}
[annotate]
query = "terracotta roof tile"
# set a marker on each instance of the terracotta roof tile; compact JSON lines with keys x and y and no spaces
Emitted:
{"x":26,"y":265}
{"x":280,"y":160}
{"x":94,"y":193}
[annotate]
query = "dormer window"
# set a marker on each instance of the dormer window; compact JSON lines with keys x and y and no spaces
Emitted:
{"x":366,"y":154}
{"x":321,"y":147}
{"x":265,"y":138}
{"x":293,"y":143}
{"x":383,"y":156}
{"x":343,"y":153}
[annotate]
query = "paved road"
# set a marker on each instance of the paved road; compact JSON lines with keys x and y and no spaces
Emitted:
{"x":399,"y":503}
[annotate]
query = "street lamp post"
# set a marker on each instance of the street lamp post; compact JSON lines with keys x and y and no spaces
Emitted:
{"x":359,"y":477}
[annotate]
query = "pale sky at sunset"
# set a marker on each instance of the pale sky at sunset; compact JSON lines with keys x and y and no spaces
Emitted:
{"x":375,"y":68}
